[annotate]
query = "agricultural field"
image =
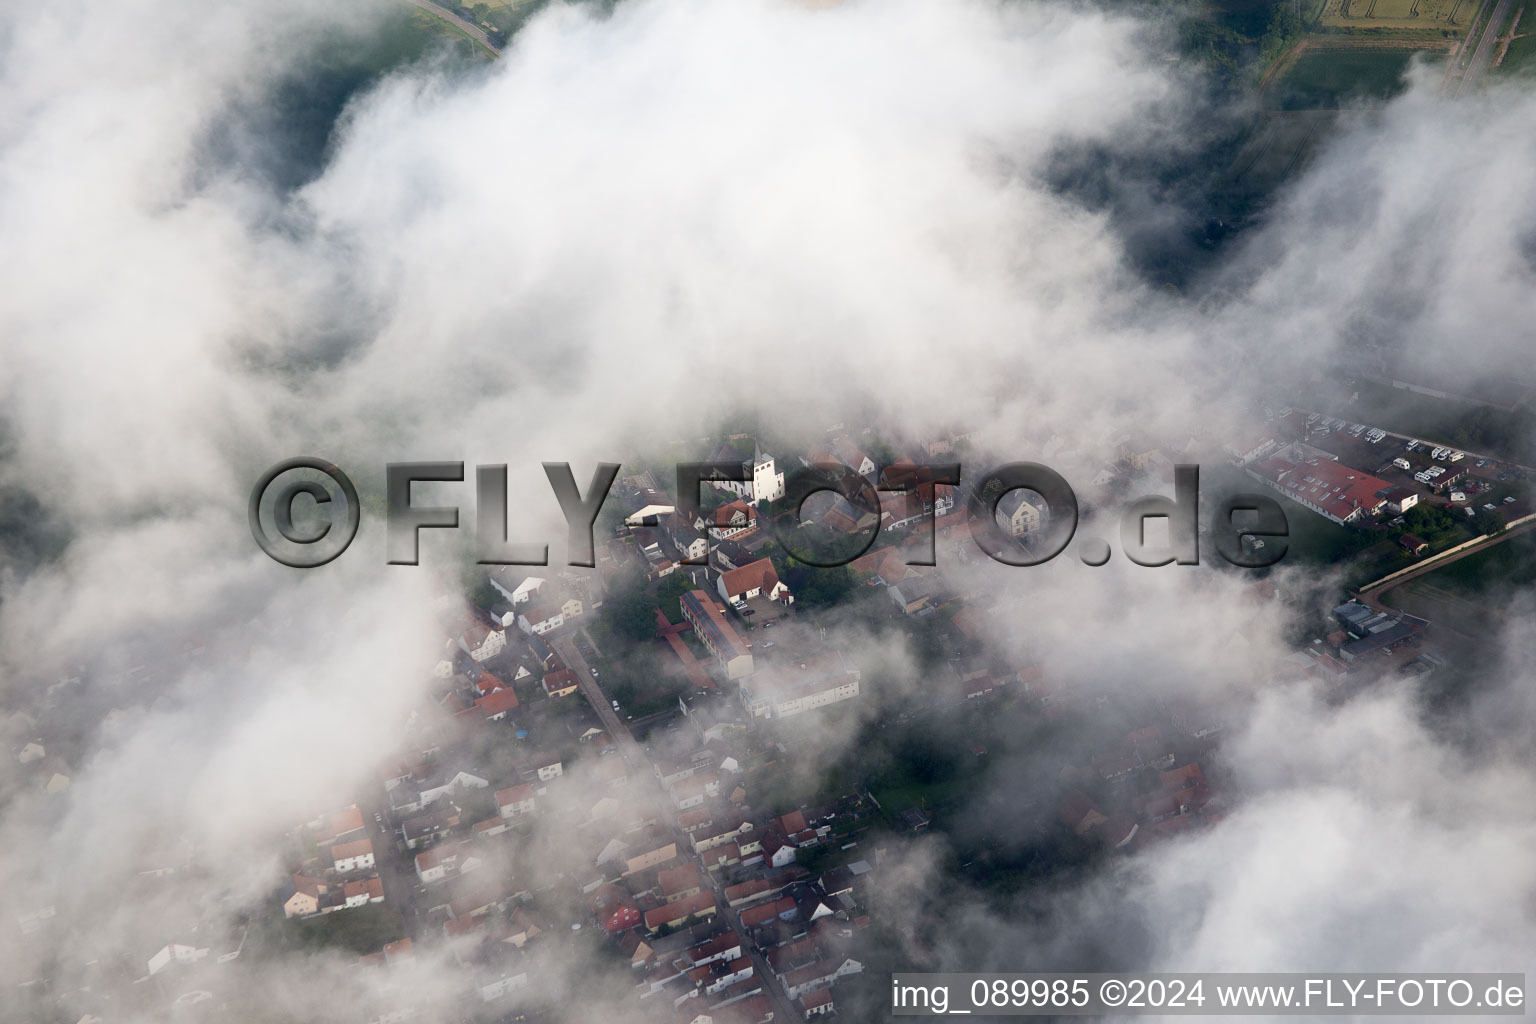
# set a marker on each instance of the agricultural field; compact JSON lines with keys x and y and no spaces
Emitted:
{"x":502,"y":16}
{"x":1330,"y":79}
{"x":1452,"y":16}
{"x":1469,"y":595}
{"x":1279,"y":145}
{"x":1520,"y":53}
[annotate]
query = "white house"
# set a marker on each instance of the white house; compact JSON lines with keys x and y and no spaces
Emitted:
{"x":363,"y":891}
{"x":433,"y":865}
{"x":818,"y":975}
{"x":354,"y":856}
{"x":514,"y":590}
{"x":515,"y":801}
{"x":741,"y":585}
{"x":849,"y":455}
{"x":547,"y":615}
{"x":545,"y":766}
{"x":175,"y":952}
{"x":690,"y":542}
{"x":446,"y":783}
{"x":1022,"y":512}
{"x":480,"y":641}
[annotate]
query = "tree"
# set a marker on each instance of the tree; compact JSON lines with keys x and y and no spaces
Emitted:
{"x":1491,"y":523}
{"x":819,"y":588}
{"x":671,"y":591}
{"x":628,"y":610}
{"x":1429,"y":522}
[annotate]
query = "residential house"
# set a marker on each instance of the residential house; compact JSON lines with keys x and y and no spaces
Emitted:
{"x":436,"y":864}
{"x":674,"y":915}
{"x":497,"y":705}
{"x":680,"y":882}
{"x":479,"y":639}
{"x":816,"y":1003}
{"x":353,"y":856}
{"x":694,"y":790}
{"x":515,"y":800}
{"x":738,"y":586}
{"x":302,"y":896}
{"x":818,"y":976}
{"x":542,"y":765}
{"x":792,"y":688}
{"x":425,"y":828}
{"x":1022,"y":513}
{"x":449,"y":781}
{"x":560,"y":683}
{"x":363,"y":891}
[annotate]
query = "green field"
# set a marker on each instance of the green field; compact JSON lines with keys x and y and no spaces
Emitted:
{"x":1469,"y":595}
{"x":1521,"y":56}
{"x":1511,"y":563}
{"x":1333,"y":79}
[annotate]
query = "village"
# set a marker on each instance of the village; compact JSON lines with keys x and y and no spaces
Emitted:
{"x":598,"y":770}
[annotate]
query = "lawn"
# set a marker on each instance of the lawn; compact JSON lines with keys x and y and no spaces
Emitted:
{"x":362,"y":929}
{"x":1521,"y":56}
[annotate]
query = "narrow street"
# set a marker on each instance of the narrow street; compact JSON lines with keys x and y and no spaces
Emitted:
{"x":639,"y":764}
{"x":395,"y":869}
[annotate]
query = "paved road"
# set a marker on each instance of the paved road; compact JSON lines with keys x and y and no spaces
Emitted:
{"x":633,"y":753}
{"x":469,"y":28}
{"x":396,"y":870}
{"x":1482,"y":55}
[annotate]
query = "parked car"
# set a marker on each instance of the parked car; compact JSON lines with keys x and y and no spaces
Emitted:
{"x":1509,"y":499}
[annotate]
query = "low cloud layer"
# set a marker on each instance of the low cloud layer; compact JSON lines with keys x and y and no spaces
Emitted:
{"x":637,"y":224}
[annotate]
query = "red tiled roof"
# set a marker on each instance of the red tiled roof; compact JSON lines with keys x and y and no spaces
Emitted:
{"x":767,"y":912}
{"x":513,"y":795}
{"x":700,"y":903}
{"x":360,"y":848}
{"x":679,"y":879}
{"x":373,"y":887}
{"x":563,"y":679}
{"x":758,"y":574}
{"x":497,"y":703}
